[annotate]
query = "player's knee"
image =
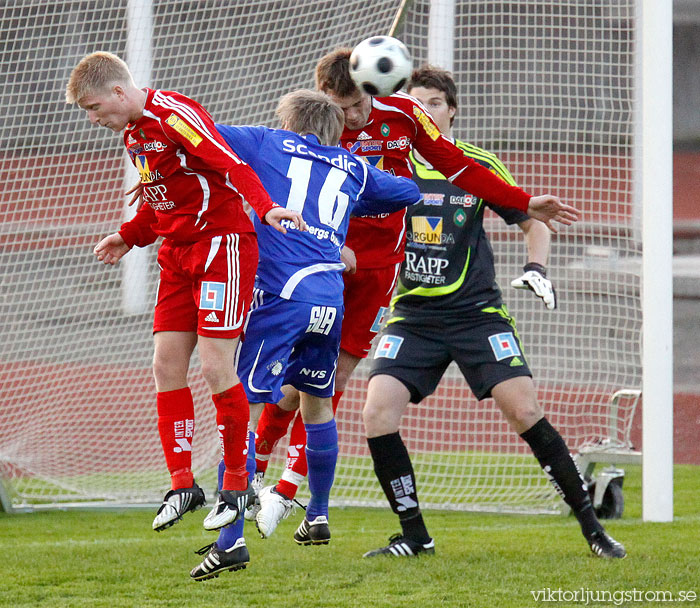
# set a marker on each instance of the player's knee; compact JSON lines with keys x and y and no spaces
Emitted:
{"x":216,"y":375}
{"x":528,"y":413}
{"x":169,"y":372}
{"x":369,"y":418}
{"x":522,"y":414}
{"x":377,"y":420}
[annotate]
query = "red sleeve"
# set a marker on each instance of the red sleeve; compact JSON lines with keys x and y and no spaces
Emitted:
{"x":462,"y":170}
{"x":249,"y":186}
{"x":195,"y":131}
{"x":137,"y":231}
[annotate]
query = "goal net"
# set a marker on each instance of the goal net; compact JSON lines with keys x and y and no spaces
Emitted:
{"x":546,"y":84}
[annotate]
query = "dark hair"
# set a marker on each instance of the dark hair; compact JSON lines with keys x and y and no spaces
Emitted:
{"x":432,"y":77}
{"x":333,"y":73}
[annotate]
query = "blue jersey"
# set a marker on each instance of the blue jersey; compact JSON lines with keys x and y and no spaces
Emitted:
{"x":326,"y":185}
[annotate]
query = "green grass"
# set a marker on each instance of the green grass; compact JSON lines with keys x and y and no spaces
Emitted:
{"x":113,"y":559}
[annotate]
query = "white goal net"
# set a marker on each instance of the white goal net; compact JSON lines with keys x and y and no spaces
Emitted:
{"x":546,"y":84}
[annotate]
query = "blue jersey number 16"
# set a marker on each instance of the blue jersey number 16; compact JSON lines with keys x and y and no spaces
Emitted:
{"x":332,"y":203}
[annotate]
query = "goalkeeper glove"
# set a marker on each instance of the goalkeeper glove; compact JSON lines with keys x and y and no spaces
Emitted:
{"x":535,"y":279}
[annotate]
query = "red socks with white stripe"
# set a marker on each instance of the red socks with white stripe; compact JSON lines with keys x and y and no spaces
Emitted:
{"x":176,"y":429}
{"x":272,"y":426}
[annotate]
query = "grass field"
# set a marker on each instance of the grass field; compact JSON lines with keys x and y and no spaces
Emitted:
{"x":113,"y":559}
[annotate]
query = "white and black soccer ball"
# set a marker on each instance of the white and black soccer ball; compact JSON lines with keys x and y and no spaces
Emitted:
{"x":380,"y":65}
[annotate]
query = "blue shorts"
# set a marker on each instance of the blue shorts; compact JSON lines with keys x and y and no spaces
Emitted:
{"x":288,"y":342}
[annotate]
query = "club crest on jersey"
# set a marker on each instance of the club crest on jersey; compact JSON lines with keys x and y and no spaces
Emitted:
{"x":184,"y":129}
{"x":504,"y":346}
{"x":460,"y":217}
{"x":385,"y":129}
{"x":212,"y":295}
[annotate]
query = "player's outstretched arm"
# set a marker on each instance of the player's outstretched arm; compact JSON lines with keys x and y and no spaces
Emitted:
{"x":111,"y":249}
{"x":275,"y":215}
{"x":547,"y":208}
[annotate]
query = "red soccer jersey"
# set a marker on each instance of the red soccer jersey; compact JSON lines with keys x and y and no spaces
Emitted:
{"x":192,"y":181}
{"x":396,"y":125}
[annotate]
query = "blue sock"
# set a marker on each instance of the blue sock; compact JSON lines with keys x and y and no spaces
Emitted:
{"x":228,"y":535}
{"x":321,"y":456}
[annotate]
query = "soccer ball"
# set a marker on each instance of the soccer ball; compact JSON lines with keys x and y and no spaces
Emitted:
{"x":380,"y":65}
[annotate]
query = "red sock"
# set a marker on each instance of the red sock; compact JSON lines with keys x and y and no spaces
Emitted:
{"x":297,"y":468}
{"x":272,"y":426}
{"x":176,"y":428}
{"x":232,"y":415}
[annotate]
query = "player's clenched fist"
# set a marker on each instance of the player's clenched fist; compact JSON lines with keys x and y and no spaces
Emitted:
{"x":111,"y":249}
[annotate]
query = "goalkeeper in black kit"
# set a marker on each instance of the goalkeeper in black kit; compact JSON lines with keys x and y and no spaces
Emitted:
{"x":447,"y":308}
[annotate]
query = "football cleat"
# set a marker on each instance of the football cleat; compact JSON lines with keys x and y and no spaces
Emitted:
{"x":274,"y":507}
{"x":220,"y":560}
{"x":229,"y":506}
{"x":401,"y":546}
{"x":314,"y":532}
{"x":604,"y":545}
{"x":254,"y":509}
{"x":176,"y":503}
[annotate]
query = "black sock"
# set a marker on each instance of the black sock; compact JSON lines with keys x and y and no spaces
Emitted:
{"x":550,"y":450}
{"x":394,"y":470}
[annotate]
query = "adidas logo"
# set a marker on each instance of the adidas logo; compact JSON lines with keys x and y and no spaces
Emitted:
{"x":364,"y":135}
{"x":515,"y":362}
{"x":211,"y":317}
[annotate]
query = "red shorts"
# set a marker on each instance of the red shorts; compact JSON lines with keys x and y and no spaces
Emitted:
{"x":366,"y":298}
{"x":206,"y":286}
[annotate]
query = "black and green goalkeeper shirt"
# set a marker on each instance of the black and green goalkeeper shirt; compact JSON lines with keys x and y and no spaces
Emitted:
{"x":449,"y":265}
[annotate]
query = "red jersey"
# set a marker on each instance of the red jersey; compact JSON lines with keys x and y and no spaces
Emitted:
{"x":193,"y":184}
{"x":396,"y":125}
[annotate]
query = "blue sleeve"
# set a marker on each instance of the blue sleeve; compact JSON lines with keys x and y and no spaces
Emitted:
{"x":244,"y":141}
{"x":386,"y":193}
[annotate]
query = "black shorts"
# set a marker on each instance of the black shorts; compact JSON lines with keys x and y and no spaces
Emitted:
{"x":485,"y":346}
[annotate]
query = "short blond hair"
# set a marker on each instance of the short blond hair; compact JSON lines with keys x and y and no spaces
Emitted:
{"x":306,"y":111}
{"x":96,"y":73}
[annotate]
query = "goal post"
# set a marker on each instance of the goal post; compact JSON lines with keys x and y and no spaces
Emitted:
{"x":656,"y":188}
{"x":550,"y":86}
{"x":139,"y":56}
